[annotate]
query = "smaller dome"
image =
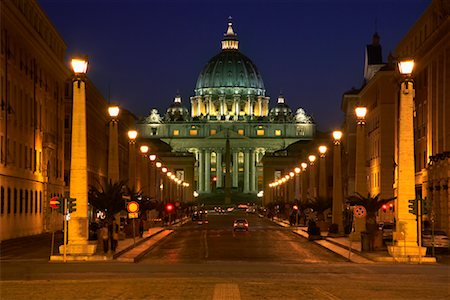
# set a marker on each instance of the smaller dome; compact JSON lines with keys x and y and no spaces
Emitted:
{"x":281,"y":111}
{"x":176,"y":111}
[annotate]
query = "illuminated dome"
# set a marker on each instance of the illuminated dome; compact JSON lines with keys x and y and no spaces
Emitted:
{"x":281,"y":111}
{"x":176,"y":111}
{"x":230,"y":71}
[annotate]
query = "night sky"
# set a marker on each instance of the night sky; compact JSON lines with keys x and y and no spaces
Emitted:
{"x":142,"y":52}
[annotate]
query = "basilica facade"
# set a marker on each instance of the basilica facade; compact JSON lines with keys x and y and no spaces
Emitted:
{"x":230,"y":125}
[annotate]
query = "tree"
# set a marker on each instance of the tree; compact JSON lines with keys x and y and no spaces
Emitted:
{"x":372,"y":206}
{"x":319,"y":205}
{"x":108,"y":199}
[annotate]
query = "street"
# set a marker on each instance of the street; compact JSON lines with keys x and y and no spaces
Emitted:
{"x":210,"y":261}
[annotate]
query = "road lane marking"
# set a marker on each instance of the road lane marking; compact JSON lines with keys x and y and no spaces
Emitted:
{"x":226,"y":291}
{"x":326,"y":294}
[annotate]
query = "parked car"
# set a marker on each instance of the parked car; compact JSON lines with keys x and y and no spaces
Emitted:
{"x":388,"y":229}
{"x":240,"y":224}
{"x":440,"y":239}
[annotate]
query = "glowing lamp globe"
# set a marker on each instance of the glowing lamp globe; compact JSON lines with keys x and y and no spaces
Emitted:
{"x":337,"y":135}
{"x":113,"y":111}
{"x":406,"y":67}
{"x":144,"y":149}
{"x":79,"y":65}
{"x":132,"y":134}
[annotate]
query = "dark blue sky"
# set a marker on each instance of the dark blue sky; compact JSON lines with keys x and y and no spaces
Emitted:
{"x":142,"y":51}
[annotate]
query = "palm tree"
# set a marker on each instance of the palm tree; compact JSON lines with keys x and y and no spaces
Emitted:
{"x":108,"y":199}
{"x":319,"y":205}
{"x":372,"y":206}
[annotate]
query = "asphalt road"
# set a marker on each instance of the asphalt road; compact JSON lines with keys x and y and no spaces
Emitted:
{"x":212,"y":262}
{"x":216,"y":241}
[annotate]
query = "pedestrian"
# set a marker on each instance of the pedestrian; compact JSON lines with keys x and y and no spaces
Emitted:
{"x":141,"y":228}
{"x":114,"y":236}
{"x":105,"y":238}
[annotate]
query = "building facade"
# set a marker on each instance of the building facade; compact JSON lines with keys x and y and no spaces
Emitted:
{"x":428,"y":43}
{"x":229,"y":104}
{"x":33,"y":74}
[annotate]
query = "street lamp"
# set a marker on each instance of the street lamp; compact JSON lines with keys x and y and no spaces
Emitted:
{"x":113,"y":149}
{"x":78,"y":232}
{"x":322,"y":172}
{"x":338,"y":196}
{"x":406,"y":240}
{"x":312,"y":177}
{"x":303,"y":182}
{"x":360,"y":166}
{"x":132,"y":135}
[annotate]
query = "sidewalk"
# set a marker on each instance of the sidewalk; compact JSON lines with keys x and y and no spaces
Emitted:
{"x":129,"y":249}
{"x":344,"y":247}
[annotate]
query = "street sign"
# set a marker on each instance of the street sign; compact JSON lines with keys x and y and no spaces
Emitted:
{"x":134,"y":215}
{"x":133,"y":207}
{"x":359,"y":211}
{"x":55,"y":203}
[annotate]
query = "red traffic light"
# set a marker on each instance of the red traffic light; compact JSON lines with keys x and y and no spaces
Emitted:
{"x":384,"y":207}
{"x":169,"y":207}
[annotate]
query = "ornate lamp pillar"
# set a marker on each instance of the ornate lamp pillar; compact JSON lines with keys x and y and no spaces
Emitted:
{"x":297,"y":171}
{"x":312,"y":177}
{"x":360,"y":167}
{"x":303,"y":182}
{"x":144,"y":169}
{"x":132,"y":135}
{"x":405,"y":237}
{"x":113,"y":148}
{"x":322,"y":172}
{"x":78,"y":225}
{"x":153,"y":188}
{"x":338,"y":194}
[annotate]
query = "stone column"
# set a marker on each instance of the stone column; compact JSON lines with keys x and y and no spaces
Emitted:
{"x":253,"y":176}
{"x":405,"y":237}
{"x":207,"y":171}
{"x":235,"y":169}
{"x":246,"y":170}
{"x":338,"y":194}
{"x":113,"y":151}
{"x":201,"y":170}
{"x":78,"y":226}
{"x":219,"y":172}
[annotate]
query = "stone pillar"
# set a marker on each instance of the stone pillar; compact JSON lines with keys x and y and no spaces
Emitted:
{"x":199,"y":106}
{"x":194,"y":107}
{"x":312,"y":181}
{"x":246,"y":171}
{"x":253,"y":175}
{"x":132,"y":164}
{"x":405,"y":237}
{"x":78,"y":226}
{"x":338,"y":193}
{"x":201,"y":171}
{"x":322,"y":177}
{"x":360,"y":175}
{"x":113,"y":151}
{"x":222,"y":108}
{"x":219,"y":172}
{"x":207,"y":171}
{"x":235,"y":169}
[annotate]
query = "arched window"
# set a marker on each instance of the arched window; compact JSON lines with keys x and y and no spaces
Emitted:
{"x":35,"y":202}
{"x":15,"y":201}
{"x":31,"y":202}
{"x":20,"y":201}
{"x":8,"y":196}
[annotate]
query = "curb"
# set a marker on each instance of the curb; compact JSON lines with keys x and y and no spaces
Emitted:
{"x":132,"y":246}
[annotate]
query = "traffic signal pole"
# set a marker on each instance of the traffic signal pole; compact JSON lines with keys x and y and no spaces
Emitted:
{"x":65,"y":228}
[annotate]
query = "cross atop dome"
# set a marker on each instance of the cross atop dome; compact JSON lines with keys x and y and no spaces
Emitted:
{"x":230,"y":41}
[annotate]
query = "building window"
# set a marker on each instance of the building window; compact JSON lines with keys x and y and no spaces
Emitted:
{"x":26,"y":201}
{"x":36,"y":202}
{"x":15,"y":201}
{"x":176,"y":132}
{"x":213,"y":132}
{"x":8,"y":203}
{"x":277,"y":132}
{"x":260,"y":132}
{"x":193,"y":132}
{"x":40,"y":202}
{"x":21,"y":201}
{"x":241,"y":131}
{"x":2,"y":199}
{"x":31,"y":202}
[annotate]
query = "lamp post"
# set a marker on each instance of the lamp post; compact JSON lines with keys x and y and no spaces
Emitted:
{"x":153,"y":182}
{"x":312,"y":177}
{"x":297,"y":171}
{"x":78,"y":225}
{"x":303,"y":182}
{"x":405,"y":238}
{"x":144,"y":169}
{"x":360,"y":167}
{"x":322,"y":172}
{"x":113,"y":149}
{"x":338,"y":195}
{"x":132,"y":135}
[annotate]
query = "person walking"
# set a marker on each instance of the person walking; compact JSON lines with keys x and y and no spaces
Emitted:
{"x":105,"y":237}
{"x":114,"y":236}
